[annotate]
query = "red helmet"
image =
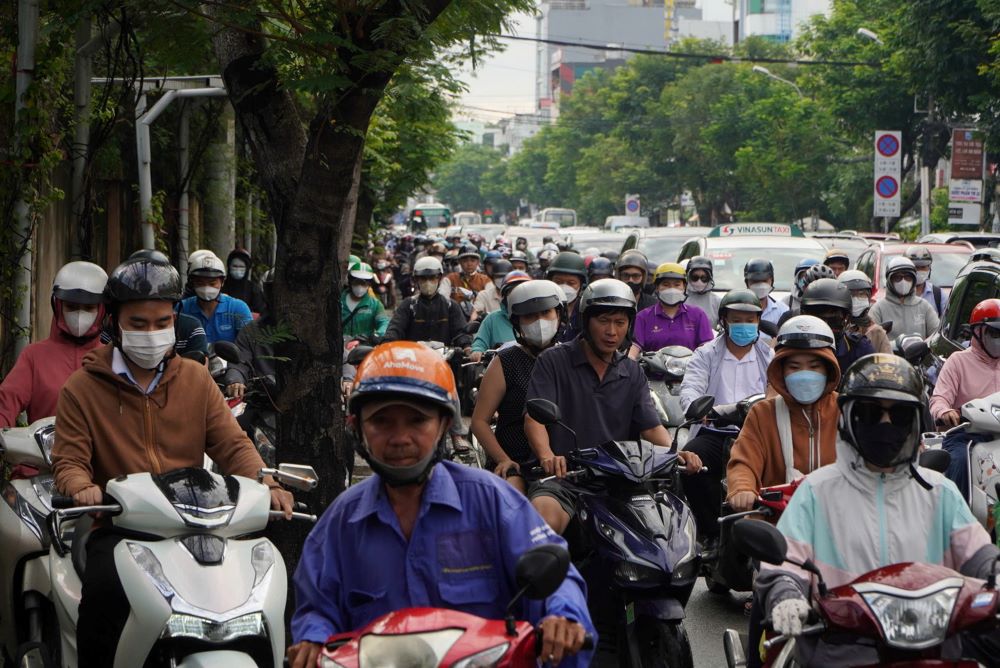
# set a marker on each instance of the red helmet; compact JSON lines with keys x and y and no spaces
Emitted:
{"x":986,"y":312}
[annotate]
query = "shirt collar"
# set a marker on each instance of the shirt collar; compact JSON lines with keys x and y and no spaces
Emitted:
{"x":681,"y":311}
{"x":439,"y":490}
{"x":749,"y":357}
{"x":578,"y":356}
{"x":120,"y":367}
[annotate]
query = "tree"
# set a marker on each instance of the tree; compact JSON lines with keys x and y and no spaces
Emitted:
{"x":459,"y":181}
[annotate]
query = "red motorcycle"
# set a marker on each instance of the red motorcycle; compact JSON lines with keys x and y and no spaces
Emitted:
{"x":902,"y":614}
{"x":384,"y":284}
{"x":428,"y":637}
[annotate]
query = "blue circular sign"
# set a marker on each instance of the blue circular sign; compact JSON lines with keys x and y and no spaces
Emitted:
{"x":632,"y":205}
{"x":886,"y":187}
{"x":887,"y":145}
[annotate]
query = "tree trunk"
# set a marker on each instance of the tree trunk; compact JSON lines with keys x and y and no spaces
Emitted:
{"x":363,"y":219}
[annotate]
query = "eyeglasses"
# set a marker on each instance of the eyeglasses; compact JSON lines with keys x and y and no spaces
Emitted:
{"x":698,"y":277}
{"x":631,"y":275}
{"x":869,"y":413}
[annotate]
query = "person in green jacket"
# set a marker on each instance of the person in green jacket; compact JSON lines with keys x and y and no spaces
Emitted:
{"x":361,"y":314}
{"x":496,"y":328}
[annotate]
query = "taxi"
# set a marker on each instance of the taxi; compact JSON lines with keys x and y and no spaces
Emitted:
{"x":731,"y":246}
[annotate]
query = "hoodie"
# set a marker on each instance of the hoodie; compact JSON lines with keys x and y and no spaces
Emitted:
{"x":908,"y":315}
{"x":245,"y":288}
{"x":966,"y":375}
{"x":42,"y":368}
{"x":756,"y":459}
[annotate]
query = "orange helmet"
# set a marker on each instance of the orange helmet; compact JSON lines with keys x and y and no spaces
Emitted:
{"x":986,"y":312}
{"x":404,"y":370}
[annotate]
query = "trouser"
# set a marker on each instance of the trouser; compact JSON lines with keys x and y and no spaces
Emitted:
{"x":957,"y":445}
{"x":704,"y":490}
{"x":104,"y":608}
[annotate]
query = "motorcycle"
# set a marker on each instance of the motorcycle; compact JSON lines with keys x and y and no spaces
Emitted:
{"x":473,"y":455}
{"x":665,"y":370}
{"x":385,"y":284}
{"x":637,"y":547}
{"x":982,"y":418}
{"x":205,"y":589}
{"x":255,"y":410}
{"x":901,"y":615}
{"x":429,"y":637}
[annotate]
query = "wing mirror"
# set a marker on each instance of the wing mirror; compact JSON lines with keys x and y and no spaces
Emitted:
{"x":699,"y":408}
{"x":543,"y":411}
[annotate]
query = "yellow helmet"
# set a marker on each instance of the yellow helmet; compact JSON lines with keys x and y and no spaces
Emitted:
{"x":668,"y":270}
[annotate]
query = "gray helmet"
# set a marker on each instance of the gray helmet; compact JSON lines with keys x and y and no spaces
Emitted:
{"x":428,"y":266}
{"x":634,"y":259}
{"x":855,"y":279}
{"x":920,"y":256}
{"x":815,"y":273}
{"x":501,"y":268}
{"x":826,"y":292}
{"x":80,"y":283}
{"x":900,"y":264}
{"x":805,"y":332}
{"x":606,"y":294}
{"x":468,"y":251}
{"x":700,"y":262}
{"x":534,"y":297}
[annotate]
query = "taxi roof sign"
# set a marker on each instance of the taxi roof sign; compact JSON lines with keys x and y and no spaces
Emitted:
{"x":756,"y":230}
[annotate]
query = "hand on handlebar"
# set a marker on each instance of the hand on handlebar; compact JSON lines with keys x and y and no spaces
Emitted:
{"x":743,"y":501}
{"x":507,"y":469}
{"x":692,"y":462}
{"x":560,"y":638}
{"x":282,"y":499}
{"x":952,"y":418}
{"x":89,"y":496}
{"x":304,"y":654}
{"x":236,"y":390}
{"x":555,"y":466}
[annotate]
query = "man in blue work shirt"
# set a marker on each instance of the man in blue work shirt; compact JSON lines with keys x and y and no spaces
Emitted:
{"x":422,"y":532}
{"x":222,"y":316}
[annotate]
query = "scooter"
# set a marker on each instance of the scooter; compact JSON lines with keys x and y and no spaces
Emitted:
{"x":384,"y":284}
{"x":205,"y":589}
{"x":982,"y":417}
{"x":255,"y":410}
{"x":637,"y":547}
{"x":898,"y":615}
{"x":665,"y":370}
{"x":430,"y":637}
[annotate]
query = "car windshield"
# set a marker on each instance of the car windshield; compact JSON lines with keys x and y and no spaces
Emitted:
{"x":662,"y":249}
{"x":728,"y":264}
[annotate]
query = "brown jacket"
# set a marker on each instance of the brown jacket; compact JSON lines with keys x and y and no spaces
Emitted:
{"x":756,"y":460}
{"x":106,"y":427}
{"x":477,"y":283}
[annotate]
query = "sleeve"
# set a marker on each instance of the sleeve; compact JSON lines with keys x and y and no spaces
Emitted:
{"x":456,"y":321}
{"x":317,"y":587}
{"x":696,"y":377}
{"x":644,"y":415}
{"x":16,"y":389}
{"x":479,"y":304}
{"x":400,"y":323}
{"x":748,"y":457}
{"x":946,"y":388}
{"x":778,"y":583}
{"x":198,"y":340}
{"x":381,"y":318}
{"x":875,"y":312}
{"x":241,"y":314}
{"x":966,"y":537}
{"x":243,"y":371}
{"x":73,"y":448}
{"x":879,"y":339}
{"x":483,"y":336}
{"x":639,"y":332}
{"x":225,"y":441}
{"x":542,"y":383}
{"x":931,"y":319}
{"x":703,"y":332}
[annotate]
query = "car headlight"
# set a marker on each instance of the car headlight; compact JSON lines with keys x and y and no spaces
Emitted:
{"x":190,"y":626}
{"x":46,"y":438}
{"x":677,"y":366}
{"x":912,"y":622}
{"x":486,"y":659}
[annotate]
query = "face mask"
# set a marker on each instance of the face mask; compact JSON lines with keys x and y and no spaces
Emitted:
{"x":902,"y":288}
{"x":991,"y":346}
{"x":882,"y":444}
{"x":922,"y":277}
{"x":237,"y":272}
{"x":359,"y":291}
{"x":636,"y":286}
{"x":147,"y":349}
{"x":570,"y":292}
{"x":859,"y":306}
{"x":805,"y":386}
{"x":428,"y":288}
{"x":671,"y":296}
{"x":79,"y":322}
{"x":498,"y":282}
{"x":698,"y":287}
{"x":540,"y":333}
{"x":207,"y":293}
{"x":761,"y":290}
{"x":743,"y":333}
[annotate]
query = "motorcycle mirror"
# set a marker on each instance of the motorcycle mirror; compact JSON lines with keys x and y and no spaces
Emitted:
{"x":298,"y":476}
{"x":358,"y":354}
{"x":887,"y":326}
{"x":227,"y":351}
{"x":541,"y":570}
{"x":760,"y":540}
{"x":935,"y":460}
{"x":700,"y":407}
{"x":543,"y":411}
{"x":768,"y":327}
{"x":912,"y":348}
{"x":196,"y":355}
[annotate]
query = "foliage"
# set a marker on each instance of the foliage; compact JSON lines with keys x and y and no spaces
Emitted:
{"x":459,"y":181}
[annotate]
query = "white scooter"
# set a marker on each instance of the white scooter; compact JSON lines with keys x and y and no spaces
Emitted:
{"x":983,"y":417}
{"x":205,"y":589}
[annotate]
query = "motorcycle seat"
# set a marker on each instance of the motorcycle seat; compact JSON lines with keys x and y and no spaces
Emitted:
{"x":78,"y":550}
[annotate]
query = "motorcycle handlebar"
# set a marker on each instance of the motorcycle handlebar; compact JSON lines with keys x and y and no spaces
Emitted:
{"x":588,"y":641}
{"x":306,"y":517}
{"x":60,"y":502}
{"x":806,"y":631}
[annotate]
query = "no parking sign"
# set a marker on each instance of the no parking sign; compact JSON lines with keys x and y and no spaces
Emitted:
{"x":888,"y":165}
{"x":632,"y":205}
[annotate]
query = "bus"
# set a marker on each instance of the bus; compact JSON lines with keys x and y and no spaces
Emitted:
{"x":427,"y":215}
{"x":564,"y":217}
{"x":468,"y":218}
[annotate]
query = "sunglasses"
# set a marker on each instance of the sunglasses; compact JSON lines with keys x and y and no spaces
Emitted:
{"x":869,"y":413}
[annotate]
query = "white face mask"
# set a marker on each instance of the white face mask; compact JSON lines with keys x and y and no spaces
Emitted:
{"x":78,"y":322}
{"x":671,"y":296}
{"x":922,"y":277}
{"x":428,"y":288}
{"x":237,"y":271}
{"x":570,"y":292}
{"x":698,"y":287}
{"x":859,"y":305}
{"x":540,"y":333}
{"x":147,"y":349}
{"x":498,"y":282}
{"x":902,"y":288}
{"x":359,"y":291}
{"x":207,"y":293}
{"x":761,"y":289}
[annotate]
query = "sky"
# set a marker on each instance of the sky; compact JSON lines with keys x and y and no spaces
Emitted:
{"x":505,"y":83}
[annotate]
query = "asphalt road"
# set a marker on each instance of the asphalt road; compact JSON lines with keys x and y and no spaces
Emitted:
{"x":708,"y":615}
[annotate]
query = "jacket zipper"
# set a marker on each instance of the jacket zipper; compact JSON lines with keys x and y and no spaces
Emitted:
{"x":883,"y":548}
{"x":154,"y":461}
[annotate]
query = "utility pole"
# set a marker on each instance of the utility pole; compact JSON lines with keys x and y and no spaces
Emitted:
{"x":925,"y":174}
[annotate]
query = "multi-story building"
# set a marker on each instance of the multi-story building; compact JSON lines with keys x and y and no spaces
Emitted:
{"x":779,"y":20}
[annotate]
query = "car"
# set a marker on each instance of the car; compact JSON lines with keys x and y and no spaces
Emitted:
{"x":488,"y":231}
{"x":582,"y":238}
{"x":851,"y":244}
{"x":979,"y":279}
{"x":619,"y":222}
{"x":731,"y":246}
{"x":948,"y":261}
{"x":662,"y":244}
{"x":975,"y":239}
{"x":467,"y":218}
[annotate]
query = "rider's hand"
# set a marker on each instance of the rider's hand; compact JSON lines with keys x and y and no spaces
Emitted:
{"x":691,"y":460}
{"x":743,"y":501}
{"x":788,"y":615}
{"x":475,"y":356}
{"x":555,"y":466}
{"x":504,"y":469}
{"x":236,"y":390}
{"x":282,"y":499}
{"x":304,"y":654}
{"x":89,"y":496}
{"x":560,"y":638}
{"x":952,"y":418}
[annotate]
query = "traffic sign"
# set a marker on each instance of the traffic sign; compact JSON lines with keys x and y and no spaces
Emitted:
{"x":632,"y":205}
{"x":886,"y":187}
{"x":887,"y":145}
{"x":964,"y":213}
{"x":887,"y":173}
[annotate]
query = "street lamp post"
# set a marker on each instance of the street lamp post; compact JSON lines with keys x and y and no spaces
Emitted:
{"x":760,"y":69}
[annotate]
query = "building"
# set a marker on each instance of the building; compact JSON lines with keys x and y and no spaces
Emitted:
{"x":779,"y":20}
{"x":517,"y":129}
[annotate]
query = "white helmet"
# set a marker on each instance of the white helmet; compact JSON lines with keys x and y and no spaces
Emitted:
{"x":898,"y":264}
{"x":805,"y":332}
{"x":855,"y":279}
{"x":206,"y":263}
{"x":80,"y":283}
{"x":428,"y":266}
{"x":534,"y":297}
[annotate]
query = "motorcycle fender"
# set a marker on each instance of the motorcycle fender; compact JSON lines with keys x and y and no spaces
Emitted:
{"x":665,"y":609}
{"x":983,"y":463}
{"x":215,"y":659}
{"x":66,"y":591}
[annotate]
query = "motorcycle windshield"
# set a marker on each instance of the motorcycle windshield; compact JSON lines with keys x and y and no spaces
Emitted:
{"x":199,"y":496}
{"x":636,"y":460}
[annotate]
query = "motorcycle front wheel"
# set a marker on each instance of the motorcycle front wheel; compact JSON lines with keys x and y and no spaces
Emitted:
{"x":663,"y":644}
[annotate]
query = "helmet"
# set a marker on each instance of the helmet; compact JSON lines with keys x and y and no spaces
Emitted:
{"x":816,"y":272}
{"x":700,"y":262}
{"x":606,"y":294}
{"x":611,"y":255}
{"x":206,"y":263}
{"x":758,"y":269}
{"x":80,"y":283}
{"x":352,"y":259}
{"x":668,"y":270}
{"x":491,"y":256}
{"x":880,"y":376}
{"x":149,"y":254}
{"x":143,"y":280}
{"x":567,"y":263}
{"x":547,"y":255}
{"x":826,"y":292}
{"x":534,"y":297}
{"x":550,"y":245}
{"x":600,"y":267}
{"x":518,"y":256}
{"x":633,"y":259}
{"x":986,"y":312}
{"x":805,"y":264}
{"x":900,"y":264}
{"x":511,"y":280}
{"x":501,"y":268}
{"x":428,"y":266}
{"x":437,"y":248}
{"x":468,"y":251}
{"x":919,"y":256}
{"x":739,"y":300}
{"x":805,"y":332}
{"x":361,"y":271}
{"x":855,"y":280}
{"x":591,"y":251}
{"x":837,"y":255}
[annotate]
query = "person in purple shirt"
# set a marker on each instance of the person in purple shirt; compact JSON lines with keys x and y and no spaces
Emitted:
{"x":670,"y":322}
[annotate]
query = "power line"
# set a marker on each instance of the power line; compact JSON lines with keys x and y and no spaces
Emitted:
{"x":692,"y":56}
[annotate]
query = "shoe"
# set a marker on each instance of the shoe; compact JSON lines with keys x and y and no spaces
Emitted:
{"x":709,"y":548}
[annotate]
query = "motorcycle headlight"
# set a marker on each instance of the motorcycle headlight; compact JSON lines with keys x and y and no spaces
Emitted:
{"x":676,"y":366}
{"x":190,"y":626}
{"x":486,"y":659}
{"x":687,"y":567}
{"x":46,"y":438}
{"x":417,"y":650}
{"x":628,"y":573}
{"x":909,"y":621}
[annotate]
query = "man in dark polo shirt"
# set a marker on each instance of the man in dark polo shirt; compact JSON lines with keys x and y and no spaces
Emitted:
{"x":602,"y":395}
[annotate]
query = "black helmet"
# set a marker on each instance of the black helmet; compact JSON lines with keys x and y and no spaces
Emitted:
{"x":826,"y":292}
{"x":757,"y":269}
{"x":148,"y":254}
{"x":468,"y":251}
{"x":611,"y":255}
{"x":881,"y":377}
{"x":633,"y":259}
{"x":500,"y":268}
{"x":143,"y":279}
{"x":739,"y":300}
{"x":700,"y":262}
{"x":600,"y":267}
{"x":567,"y":262}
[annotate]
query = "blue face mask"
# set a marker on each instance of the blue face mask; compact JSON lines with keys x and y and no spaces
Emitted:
{"x":805,"y":386}
{"x":743,"y":333}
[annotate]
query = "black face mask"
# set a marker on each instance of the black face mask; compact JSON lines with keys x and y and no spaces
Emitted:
{"x":636,"y":287}
{"x":885,"y":444}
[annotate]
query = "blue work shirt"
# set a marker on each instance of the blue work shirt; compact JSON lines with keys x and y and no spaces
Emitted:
{"x":356,"y":565}
{"x":227,"y":321}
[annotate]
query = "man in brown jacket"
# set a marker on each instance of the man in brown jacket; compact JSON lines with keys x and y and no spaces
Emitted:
{"x":135,"y":407}
{"x":798,"y":425}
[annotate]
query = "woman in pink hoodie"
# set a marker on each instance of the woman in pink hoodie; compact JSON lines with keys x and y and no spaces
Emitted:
{"x":42,"y":368}
{"x":966,"y":375}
